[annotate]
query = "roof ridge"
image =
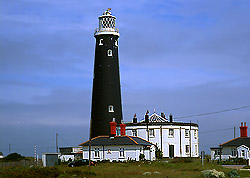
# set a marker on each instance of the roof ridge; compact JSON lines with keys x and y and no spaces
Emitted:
{"x":142,"y":139}
{"x":93,"y":139}
{"x":132,"y":139}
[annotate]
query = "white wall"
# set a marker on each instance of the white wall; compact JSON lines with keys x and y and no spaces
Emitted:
{"x":227,"y":152}
{"x":178,"y":140}
{"x":113,"y":153}
{"x":64,"y":158}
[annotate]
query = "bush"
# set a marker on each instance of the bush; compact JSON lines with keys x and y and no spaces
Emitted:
{"x":212,"y":173}
{"x":233,"y":173}
{"x":158,"y":153}
{"x":234,"y":161}
{"x":182,"y":160}
{"x":141,"y":157}
{"x":14,"y":157}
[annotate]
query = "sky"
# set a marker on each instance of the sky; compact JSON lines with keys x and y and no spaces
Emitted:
{"x":176,"y":56}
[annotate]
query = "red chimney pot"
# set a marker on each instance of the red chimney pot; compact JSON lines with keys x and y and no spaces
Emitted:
{"x":123,"y":129}
{"x":113,"y":128}
{"x":243,"y":130}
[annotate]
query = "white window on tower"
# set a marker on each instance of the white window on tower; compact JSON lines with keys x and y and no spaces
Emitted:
{"x":134,"y":132}
{"x":196,"y":149}
{"x":171,"y":132}
{"x":186,"y":132}
{"x":116,"y":42}
{"x":151,"y":132}
{"x":110,"y":52}
{"x":195,"y":134}
{"x":187,"y":149}
{"x":101,"y":42}
{"x":111,"y":108}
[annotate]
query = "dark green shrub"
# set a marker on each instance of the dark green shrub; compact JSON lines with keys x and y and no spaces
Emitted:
{"x":14,"y":157}
{"x":233,"y":173}
{"x":182,"y":160}
{"x":141,"y":157}
{"x":158,"y":153}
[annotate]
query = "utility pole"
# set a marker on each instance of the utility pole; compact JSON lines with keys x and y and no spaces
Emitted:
{"x":56,"y":143}
{"x":35,"y":156}
{"x":147,"y":121}
{"x":9,"y":148}
{"x":190,"y":145}
{"x":234,"y":131}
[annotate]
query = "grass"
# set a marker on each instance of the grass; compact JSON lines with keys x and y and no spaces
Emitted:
{"x":174,"y":168}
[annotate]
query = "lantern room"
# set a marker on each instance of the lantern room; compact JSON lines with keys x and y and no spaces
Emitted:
{"x":107,"y":24}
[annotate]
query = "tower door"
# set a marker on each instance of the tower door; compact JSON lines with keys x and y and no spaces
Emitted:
{"x":171,"y":151}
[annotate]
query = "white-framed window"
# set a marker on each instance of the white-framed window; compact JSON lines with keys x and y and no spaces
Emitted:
{"x":151,"y":132}
{"x":196,"y":149}
{"x":187,"y":149}
{"x":97,"y":153}
{"x":116,"y":42}
{"x":195,"y":134}
{"x":186,"y":132}
{"x":109,"y":52}
{"x":134,"y":132}
{"x":243,"y":153}
{"x":122,"y":152}
{"x":233,"y":152}
{"x":171,"y":133}
{"x":101,"y":42}
{"x":111,"y":108}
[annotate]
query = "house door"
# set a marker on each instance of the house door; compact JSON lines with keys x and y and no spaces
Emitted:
{"x":171,"y":151}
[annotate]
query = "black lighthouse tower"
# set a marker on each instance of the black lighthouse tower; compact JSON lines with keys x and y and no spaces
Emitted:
{"x":106,"y":94}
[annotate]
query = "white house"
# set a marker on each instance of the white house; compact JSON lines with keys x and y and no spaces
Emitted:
{"x":235,"y":148}
{"x":174,"y":139}
{"x":118,"y":148}
{"x":67,"y":153}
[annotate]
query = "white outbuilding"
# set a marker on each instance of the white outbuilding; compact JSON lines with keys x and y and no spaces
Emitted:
{"x":118,"y":148}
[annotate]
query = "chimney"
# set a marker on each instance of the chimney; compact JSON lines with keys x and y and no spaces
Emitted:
{"x":170,"y":118}
{"x":162,"y":115}
{"x":113,"y":128}
{"x":123,"y":129}
{"x":243,"y":130}
{"x":147,"y":117}
{"x":134,"y":119}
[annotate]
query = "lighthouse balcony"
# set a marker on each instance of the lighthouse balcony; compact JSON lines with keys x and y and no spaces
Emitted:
{"x":102,"y":31}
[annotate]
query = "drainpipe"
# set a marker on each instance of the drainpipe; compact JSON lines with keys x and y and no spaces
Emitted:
{"x":180,"y":144}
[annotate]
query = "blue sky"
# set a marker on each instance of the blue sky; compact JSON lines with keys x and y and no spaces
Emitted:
{"x":176,"y":56}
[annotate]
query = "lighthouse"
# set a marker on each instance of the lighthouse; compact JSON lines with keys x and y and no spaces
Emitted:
{"x":106,"y":93}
